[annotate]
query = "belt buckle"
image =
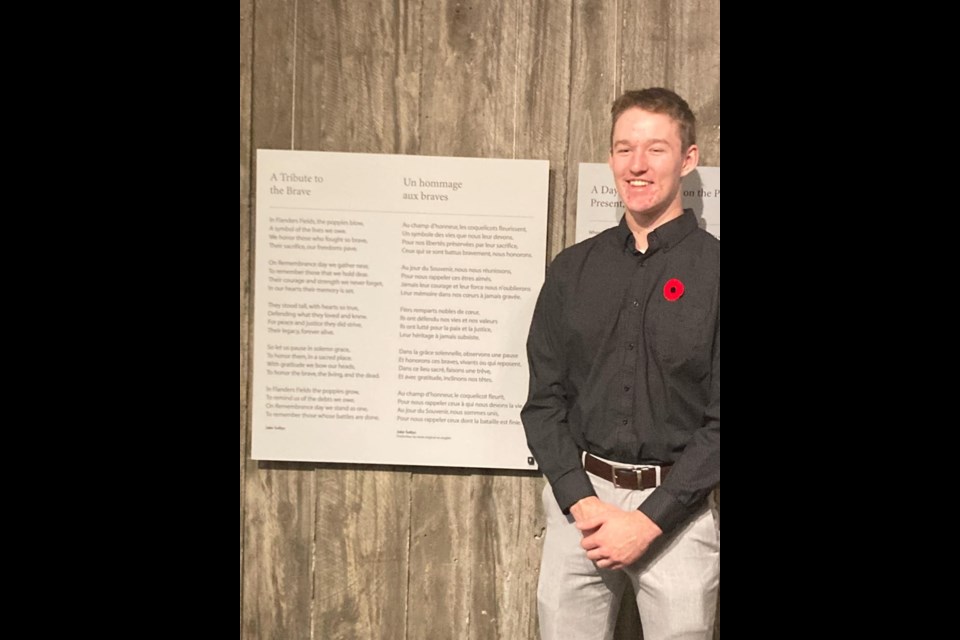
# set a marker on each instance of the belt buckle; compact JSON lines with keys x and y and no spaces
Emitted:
{"x":643,"y":468}
{"x":613,"y":476}
{"x":637,"y":470}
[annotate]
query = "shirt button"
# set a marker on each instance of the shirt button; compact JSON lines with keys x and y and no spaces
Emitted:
{"x":626,"y":387}
{"x":630,"y":346}
{"x":625,"y":421}
{"x":636,"y":303}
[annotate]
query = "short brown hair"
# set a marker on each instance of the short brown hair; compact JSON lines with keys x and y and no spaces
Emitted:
{"x":658,"y":100}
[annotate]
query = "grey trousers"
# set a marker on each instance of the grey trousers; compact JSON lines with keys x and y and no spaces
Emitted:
{"x":676,"y":580}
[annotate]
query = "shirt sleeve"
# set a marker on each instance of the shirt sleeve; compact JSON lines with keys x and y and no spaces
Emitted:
{"x":697,"y":471}
{"x":544,"y":415}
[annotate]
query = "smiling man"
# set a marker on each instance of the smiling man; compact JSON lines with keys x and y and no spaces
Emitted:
{"x":623,"y":412}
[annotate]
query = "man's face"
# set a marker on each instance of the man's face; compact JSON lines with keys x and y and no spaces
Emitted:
{"x":647,"y":162}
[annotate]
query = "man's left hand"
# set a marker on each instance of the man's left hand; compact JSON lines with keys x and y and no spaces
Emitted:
{"x":620,"y":539}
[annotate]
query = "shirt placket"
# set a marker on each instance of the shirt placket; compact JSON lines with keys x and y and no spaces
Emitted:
{"x":632,"y":312}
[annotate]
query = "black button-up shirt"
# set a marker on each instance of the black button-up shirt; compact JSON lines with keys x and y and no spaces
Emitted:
{"x":624,"y":354}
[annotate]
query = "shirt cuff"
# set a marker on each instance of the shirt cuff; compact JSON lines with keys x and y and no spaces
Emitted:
{"x":664,"y":509}
{"x":572,"y":487}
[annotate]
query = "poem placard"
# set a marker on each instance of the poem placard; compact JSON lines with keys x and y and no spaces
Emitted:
{"x":392,"y":300}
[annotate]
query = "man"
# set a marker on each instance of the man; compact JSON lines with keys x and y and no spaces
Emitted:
{"x":623,"y":413}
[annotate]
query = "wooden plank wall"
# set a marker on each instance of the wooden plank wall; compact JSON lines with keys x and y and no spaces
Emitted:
{"x":246,"y":49}
{"x":344,"y":551}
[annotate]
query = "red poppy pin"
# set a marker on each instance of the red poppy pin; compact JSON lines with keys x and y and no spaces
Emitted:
{"x":673,"y":290}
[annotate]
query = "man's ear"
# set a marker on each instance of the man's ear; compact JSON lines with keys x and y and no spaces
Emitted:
{"x":690,"y":160}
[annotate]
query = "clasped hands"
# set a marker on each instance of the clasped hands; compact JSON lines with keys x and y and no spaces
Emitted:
{"x":613,"y":538}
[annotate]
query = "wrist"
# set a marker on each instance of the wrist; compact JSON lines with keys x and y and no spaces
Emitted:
{"x":583,"y":504}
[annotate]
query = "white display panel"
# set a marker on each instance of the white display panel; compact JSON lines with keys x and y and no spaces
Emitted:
{"x":599,"y":207}
{"x":392,"y":300}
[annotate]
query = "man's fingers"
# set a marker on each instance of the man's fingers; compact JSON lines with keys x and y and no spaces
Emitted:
{"x":591,"y":523}
{"x":585,"y":524}
{"x":602,"y":561}
{"x":607,"y":563}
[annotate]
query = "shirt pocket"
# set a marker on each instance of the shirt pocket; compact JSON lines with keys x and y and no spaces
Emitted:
{"x":679,"y":332}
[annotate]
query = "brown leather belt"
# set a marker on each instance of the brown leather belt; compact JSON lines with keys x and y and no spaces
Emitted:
{"x":635,"y":477}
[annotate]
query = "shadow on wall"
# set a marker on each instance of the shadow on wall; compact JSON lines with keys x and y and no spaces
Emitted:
{"x":692,"y":187}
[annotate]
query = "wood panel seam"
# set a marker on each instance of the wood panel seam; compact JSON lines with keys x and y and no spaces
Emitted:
{"x":293,"y":83}
{"x":406,"y":608}
{"x":313,"y":547}
{"x":619,"y":24}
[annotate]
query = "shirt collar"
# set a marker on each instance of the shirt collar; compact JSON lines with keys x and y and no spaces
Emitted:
{"x":664,"y":237}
